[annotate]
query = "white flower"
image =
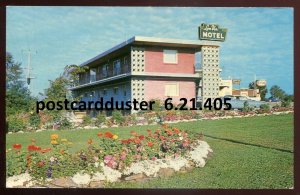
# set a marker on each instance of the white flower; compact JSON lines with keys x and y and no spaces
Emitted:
{"x":18,"y":180}
{"x":96,"y":164}
{"x":81,"y":178}
{"x":180,"y":138}
{"x":52,"y":159}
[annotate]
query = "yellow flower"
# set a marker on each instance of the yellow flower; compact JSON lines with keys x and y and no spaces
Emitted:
{"x":70,"y":143}
{"x":54,"y":136}
{"x":115,"y":137}
{"x":54,"y":142}
{"x":63,"y":140}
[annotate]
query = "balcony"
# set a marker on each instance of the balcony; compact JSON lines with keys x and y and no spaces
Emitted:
{"x":98,"y":76}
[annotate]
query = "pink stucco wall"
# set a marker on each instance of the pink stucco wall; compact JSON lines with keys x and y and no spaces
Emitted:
{"x":154,"y":61}
{"x":155,"y":89}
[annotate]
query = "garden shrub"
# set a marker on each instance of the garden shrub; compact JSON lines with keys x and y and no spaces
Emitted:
{"x":118,"y":117}
{"x":87,"y":120}
{"x":101,"y":118}
{"x":265,"y":107}
{"x":65,"y":123}
{"x":285,"y":103}
{"x":157,"y":106}
{"x":247,"y":107}
{"x":15,"y":124}
{"x":34,"y":121}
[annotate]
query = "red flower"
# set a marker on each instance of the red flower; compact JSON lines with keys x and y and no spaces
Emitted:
{"x":125,"y":141}
{"x":141,"y":137}
{"x":169,"y":132}
{"x":41,"y":163}
{"x":150,"y":144}
{"x":45,"y":150}
{"x":177,"y":131}
{"x":99,"y":134}
{"x":161,"y":137}
{"x":137,"y":141}
{"x":17,"y":146}
{"x":34,"y":148}
{"x":37,"y":148}
{"x":108,"y":134}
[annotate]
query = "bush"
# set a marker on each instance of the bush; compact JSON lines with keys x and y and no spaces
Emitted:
{"x":247,"y":107}
{"x":35,"y":121}
{"x":285,"y":103}
{"x":101,"y":118}
{"x":87,"y":120}
{"x":65,"y":123}
{"x":15,"y":124}
{"x":118,"y":117}
{"x":265,"y":107}
{"x":157,"y":106}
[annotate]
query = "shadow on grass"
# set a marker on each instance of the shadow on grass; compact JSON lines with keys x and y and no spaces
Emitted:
{"x":248,"y":144}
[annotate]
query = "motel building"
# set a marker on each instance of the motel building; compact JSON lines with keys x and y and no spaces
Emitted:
{"x":147,"y":68}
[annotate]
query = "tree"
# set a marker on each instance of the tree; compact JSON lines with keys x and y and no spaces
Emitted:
{"x":59,"y":88}
{"x":262,"y":90}
{"x":277,"y":92}
{"x":18,"y":97}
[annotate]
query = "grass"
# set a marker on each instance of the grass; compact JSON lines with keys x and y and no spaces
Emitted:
{"x":263,"y":158}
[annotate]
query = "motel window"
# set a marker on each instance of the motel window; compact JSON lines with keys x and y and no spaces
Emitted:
{"x":117,"y":67}
{"x":126,"y":64}
{"x":172,"y":89}
{"x":116,"y":90}
{"x":105,"y":70}
{"x":170,"y":56}
{"x":93,"y":75}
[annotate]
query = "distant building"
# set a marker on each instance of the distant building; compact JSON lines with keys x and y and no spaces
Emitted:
{"x":225,"y":87}
{"x":251,"y":93}
{"x":146,"y":68}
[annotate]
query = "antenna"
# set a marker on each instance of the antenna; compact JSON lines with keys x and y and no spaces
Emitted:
{"x":29,"y":76}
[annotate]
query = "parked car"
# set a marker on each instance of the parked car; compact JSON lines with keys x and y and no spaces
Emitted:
{"x":237,"y":102}
{"x":272,"y":99}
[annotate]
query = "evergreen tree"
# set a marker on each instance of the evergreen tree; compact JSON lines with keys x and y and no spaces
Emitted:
{"x":18,"y":97}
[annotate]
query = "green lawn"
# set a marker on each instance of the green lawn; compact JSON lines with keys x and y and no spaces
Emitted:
{"x":263,"y":157}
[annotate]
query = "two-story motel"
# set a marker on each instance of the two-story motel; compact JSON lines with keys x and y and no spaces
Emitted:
{"x":146,"y":68}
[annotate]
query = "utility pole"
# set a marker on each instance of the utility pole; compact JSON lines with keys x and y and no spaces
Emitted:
{"x":29,"y":77}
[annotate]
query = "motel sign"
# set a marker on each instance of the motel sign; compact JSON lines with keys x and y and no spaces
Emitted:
{"x":212,"y":32}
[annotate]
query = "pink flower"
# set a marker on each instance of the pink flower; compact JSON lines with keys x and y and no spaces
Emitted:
{"x":108,"y":157}
{"x":123,"y":157}
{"x":154,"y":158}
{"x":95,"y":158}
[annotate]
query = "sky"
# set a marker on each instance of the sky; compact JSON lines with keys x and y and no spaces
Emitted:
{"x":259,"y":40}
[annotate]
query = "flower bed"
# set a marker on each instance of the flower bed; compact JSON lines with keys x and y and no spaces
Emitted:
{"x":107,"y":158}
